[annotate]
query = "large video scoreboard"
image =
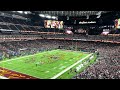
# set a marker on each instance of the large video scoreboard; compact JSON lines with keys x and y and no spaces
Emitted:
{"x":117,"y":23}
{"x":53,"y":24}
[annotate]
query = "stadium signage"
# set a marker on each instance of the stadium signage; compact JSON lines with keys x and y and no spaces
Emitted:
{"x":81,"y":66}
{"x":91,"y":57}
{"x":84,"y":63}
{"x":87,"y":22}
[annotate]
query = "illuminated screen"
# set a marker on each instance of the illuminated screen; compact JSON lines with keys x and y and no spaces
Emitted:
{"x":105,"y":32}
{"x":117,"y":23}
{"x":53,"y":24}
{"x":68,"y":30}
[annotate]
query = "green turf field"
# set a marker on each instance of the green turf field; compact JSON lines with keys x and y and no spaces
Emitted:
{"x":49,"y":64}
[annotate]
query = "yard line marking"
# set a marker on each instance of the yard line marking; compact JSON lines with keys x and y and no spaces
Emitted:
{"x":54,"y":67}
{"x":47,"y":71}
{"x":62,"y":67}
{"x":54,"y":77}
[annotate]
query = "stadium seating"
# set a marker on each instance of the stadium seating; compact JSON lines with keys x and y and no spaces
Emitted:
{"x":107,"y":65}
{"x":20,"y":37}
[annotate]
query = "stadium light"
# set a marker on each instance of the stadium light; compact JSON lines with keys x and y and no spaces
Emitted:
{"x":53,"y":17}
{"x":20,"y":11}
{"x":48,"y":16}
{"x":26,"y":12}
{"x":41,"y":15}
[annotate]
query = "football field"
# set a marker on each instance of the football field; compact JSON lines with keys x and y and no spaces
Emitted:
{"x":54,"y":64}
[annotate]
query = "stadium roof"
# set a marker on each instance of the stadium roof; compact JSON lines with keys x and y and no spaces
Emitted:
{"x":71,"y":13}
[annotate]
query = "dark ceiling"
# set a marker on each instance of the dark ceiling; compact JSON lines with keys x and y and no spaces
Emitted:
{"x":105,"y":17}
{"x":102,"y":17}
{"x":71,"y":13}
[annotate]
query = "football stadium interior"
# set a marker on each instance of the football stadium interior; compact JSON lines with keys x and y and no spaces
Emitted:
{"x":59,"y":45}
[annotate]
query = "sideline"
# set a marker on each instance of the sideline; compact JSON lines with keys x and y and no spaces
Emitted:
{"x":65,"y":70}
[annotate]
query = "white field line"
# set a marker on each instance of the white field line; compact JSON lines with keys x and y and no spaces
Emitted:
{"x":54,"y":77}
{"x":1,"y":77}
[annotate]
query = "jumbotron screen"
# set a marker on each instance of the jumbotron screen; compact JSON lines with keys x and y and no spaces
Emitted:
{"x":53,"y":24}
{"x":117,"y":23}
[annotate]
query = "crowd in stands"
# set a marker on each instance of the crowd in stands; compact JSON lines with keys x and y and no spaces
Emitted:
{"x":85,"y":37}
{"x":106,"y":67}
{"x":18,"y":48}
